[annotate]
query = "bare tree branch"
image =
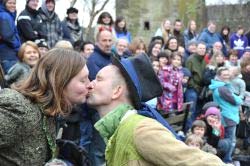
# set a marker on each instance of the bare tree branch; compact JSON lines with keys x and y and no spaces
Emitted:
{"x":93,"y":12}
{"x":103,"y":5}
{"x":72,"y":3}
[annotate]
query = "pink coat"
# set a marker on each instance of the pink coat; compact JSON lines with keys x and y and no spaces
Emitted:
{"x":172,"y":97}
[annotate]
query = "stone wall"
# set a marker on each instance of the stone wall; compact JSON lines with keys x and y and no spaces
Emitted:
{"x":145,"y":16}
{"x":231,"y":15}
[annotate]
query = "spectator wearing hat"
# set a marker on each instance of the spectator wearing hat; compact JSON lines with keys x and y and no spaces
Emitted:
{"x":134,"y":139}
{"x":186,"y":76}
{"x":215,"y":133}
{"x":72,"y":31}
{"x":238,"y":41}
{"x":229,"y":104}
{"x":42,"y":46}
{"x":9,"y":38}
{"x":29,"y":24}
{"x":51,"y":22}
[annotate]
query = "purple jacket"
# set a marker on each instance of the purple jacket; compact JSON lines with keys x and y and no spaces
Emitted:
{"x":238,"y":43}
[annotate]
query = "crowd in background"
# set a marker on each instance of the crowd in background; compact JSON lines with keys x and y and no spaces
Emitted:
{"x":192,"y":66}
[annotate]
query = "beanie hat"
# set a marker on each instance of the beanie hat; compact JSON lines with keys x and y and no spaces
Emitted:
{"x":191,"y":42}
{"x":209,"y":104}
{"x":41,"y":43}
{"x":213,"y":111}
{"x":186,"y":72}
{"x":72,"y":10}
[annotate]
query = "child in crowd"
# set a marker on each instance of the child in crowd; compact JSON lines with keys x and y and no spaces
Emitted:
{"x":238,"y":84}
{"x":216,"y":133}
{"x":163,"y":58}
{"x":104,"y":22}
{"x":199,"y":128}
{"x":232,"y":59}
{"x":171,"y":80}
{"x":137,"y":46}
{"x":194,"y":141}
{"x":186,"y":75}
{"x":29,"y":55}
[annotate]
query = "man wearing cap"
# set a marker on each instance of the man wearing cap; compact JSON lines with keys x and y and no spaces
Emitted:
{"x":29,"y":23}
{"x":72,"y":30}
{"x":117,"y":94}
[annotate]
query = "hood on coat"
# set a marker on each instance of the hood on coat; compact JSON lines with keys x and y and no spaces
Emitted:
{"x":3,"y":9}
{"x":45,"y":10}
{"x":216,"y":84}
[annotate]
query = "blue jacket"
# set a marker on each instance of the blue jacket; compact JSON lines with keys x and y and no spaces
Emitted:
{"x":124,"y":35}
{"x":208,"y":38}
{"x":9,"y":39}
{"x":226,"y":99}
{"x":97,"y":60}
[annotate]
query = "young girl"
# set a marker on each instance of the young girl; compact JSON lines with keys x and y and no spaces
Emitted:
{"x":216,"y":133}
{"x":171,"y":80}
{"x":29,"y":55}
{"x":199,"y":129}
{"x":137,"y":46}
{"x":232,"y":59}
{"x":121,"y":29}
{"x":154,"y":49}
{"x":163,"y":58}
{"x":105,"y":21}
{"x":194,"y":141}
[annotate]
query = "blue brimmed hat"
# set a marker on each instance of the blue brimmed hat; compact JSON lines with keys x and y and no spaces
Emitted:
{"x":140,"y":77}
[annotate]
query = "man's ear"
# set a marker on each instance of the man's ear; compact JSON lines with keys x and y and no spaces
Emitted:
{"x":117,"y":92}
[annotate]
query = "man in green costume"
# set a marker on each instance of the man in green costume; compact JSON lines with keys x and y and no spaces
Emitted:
{"x":117,"y":94}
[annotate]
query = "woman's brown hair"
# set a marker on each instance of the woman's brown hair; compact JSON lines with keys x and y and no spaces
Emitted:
{"x":48,"y":79}
{"x":137,"y":43}
{"x":245,"y":61}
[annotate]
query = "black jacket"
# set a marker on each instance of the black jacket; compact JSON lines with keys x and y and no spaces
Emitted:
{"x":29,"y":25}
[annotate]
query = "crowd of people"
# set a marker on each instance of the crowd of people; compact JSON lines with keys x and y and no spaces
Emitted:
{"x":65,"y":100}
